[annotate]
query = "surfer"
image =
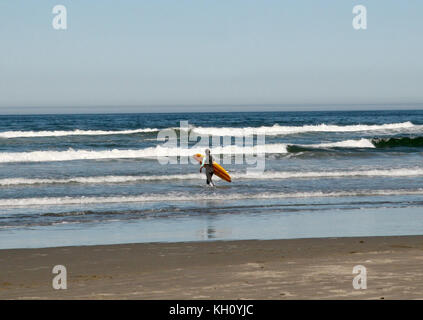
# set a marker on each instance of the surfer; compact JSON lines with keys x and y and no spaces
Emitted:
{"x":208,"y":164}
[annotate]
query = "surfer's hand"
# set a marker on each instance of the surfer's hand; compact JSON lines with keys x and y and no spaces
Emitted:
{"x":201,"y":169}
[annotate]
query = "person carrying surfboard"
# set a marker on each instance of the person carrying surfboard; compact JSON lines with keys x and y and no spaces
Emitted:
{"x":208,"y":164}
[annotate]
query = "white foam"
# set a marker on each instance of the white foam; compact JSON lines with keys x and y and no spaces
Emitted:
{"x":61,"y":133}
{"x":287,"y":130}
{"x":152,"y":152}
{"x":224,"y":131}
{"x":362,"y":143}
{"x":172,"y":197}
{"x":267,"y":175}
{"x":98,"y":180}
{"x":161,"y":151}
{"x":400,"y":172}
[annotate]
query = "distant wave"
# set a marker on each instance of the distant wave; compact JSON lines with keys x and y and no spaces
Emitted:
{"x":160,"y":151}
{"x":287,"y":130}
{"x":152,"y":152}
{"x":267,"y":175}
{"x":362,"y":143}
{"x":224,"y":131}
{"x":77,"y":132}
{"x":398,"y":142}
{"x":197,"y":197}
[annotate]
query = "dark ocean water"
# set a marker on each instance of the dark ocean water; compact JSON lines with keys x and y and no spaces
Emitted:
{"x":89,"y":179}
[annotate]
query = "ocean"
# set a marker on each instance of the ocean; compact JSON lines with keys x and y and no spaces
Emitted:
{"x":107,"y":178}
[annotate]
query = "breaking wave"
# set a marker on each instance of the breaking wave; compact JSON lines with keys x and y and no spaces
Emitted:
{"x":267,"y":175}
{"x":152,"y":152}
{"x":287,"y":130}
{"x":170,"y":197}
{"x":398,"y":142}
{"x":224,"y":131}
{"x":163,"y":151}
{"x":77,"y":132}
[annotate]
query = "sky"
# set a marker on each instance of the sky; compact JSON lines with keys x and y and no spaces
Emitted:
{"x":173,"y":55}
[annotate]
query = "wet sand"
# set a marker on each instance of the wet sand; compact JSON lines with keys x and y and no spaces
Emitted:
{"x":249,"y":269}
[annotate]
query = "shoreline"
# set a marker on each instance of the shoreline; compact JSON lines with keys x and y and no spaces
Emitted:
{"x":330,"y":223}
{"x":308,"y":268}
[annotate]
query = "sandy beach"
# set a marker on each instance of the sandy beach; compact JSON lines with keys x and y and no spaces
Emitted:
{"x":250,"y":269}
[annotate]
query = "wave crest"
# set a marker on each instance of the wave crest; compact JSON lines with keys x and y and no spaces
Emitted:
{"x":197,"y":197}
{"x":412,"y":142}
{"x":267,"y":175}
{"x":223,"y":131}
{"x":287,"y":130}
{"x":77,"y":132}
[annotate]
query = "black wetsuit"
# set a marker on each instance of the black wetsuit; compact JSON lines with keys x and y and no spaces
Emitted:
{"x":209,"y":168}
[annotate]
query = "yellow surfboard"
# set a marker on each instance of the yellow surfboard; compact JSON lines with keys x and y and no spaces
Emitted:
{"x":218,"y":169}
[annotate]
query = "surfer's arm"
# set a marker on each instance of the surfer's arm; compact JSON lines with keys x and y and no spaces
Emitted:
{"x":203,"y":163}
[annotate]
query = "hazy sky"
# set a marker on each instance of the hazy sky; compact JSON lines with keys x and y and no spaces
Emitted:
{"x":207,"y":52}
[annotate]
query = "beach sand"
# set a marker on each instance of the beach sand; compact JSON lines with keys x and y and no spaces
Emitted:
{"x":251,"y":269}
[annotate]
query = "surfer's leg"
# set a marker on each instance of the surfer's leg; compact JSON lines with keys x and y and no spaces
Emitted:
{"x":211,"y":175}
{"x":208,"y":177}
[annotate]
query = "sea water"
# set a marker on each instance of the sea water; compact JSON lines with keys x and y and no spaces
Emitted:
{"x":96,"y":179}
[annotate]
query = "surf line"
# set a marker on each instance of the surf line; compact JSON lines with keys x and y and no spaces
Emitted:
{"x":248,"y":149}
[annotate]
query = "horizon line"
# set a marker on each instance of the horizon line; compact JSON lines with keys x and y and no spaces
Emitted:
{"x":166,"y":108}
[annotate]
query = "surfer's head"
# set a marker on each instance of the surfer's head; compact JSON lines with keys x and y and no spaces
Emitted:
{"x":207,"y":151}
